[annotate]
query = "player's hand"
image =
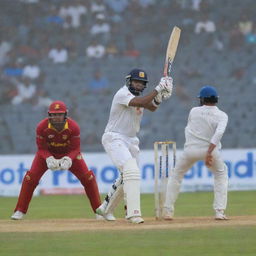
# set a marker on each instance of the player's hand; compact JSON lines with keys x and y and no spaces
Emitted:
{"x":165,"y":86}
{"x":166,"y":95}
{"x":52,"y":163}
{"x":158,"y":98}
{"x":65,"y":163}
{"x":208,"y":160}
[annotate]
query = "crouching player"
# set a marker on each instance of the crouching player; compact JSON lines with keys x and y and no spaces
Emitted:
{"x":58,"y":142}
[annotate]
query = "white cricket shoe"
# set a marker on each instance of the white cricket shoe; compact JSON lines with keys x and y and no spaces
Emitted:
{"x":99,"y":217}
{"x":109,"y":217}
{"x":136,"y":220}
{"x":18,"y":215}
{"x":220,"y":215}
{"x":100,"y":211}
{"x":167,"y":213}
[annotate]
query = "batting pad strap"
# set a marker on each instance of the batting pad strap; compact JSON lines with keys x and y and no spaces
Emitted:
{"x":131,"y":170}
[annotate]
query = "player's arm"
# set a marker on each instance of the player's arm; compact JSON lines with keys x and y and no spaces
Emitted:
{"x":221,"y":127}
{"x":208,"y":157}
{"x":144,"y":101}
{"x":41,"y":142}
{"x":66,"y":162}
{"x":153,"y":99}
{"x":74,"y":141}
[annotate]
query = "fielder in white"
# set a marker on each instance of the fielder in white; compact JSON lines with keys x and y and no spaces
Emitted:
{"x":121,"y":143}
{"x":205,"y":128}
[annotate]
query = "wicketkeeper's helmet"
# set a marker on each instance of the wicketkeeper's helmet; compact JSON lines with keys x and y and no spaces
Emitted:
{"x":57,"y":107}
{"x":136,"y":74}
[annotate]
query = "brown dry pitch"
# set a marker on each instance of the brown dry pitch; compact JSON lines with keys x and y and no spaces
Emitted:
{"x":62,"y":225}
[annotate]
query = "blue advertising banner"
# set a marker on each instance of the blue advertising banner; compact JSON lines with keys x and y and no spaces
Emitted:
{"x":240,"y":162}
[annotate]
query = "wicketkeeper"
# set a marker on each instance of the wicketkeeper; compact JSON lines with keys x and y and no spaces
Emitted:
{"x":58,"y":142}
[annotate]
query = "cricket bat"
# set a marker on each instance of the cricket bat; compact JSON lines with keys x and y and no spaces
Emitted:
{"x":171,"y":50}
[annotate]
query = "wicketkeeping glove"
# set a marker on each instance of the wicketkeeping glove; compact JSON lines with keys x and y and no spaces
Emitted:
{"x":52,"y":163}
{"x":65,"y":163}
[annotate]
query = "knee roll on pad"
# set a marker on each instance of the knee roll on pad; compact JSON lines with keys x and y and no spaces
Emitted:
{"x":131,"y":170}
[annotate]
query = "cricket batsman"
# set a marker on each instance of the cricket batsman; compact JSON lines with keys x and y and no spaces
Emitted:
{"x":58,"y":142}
{"x":205,"y":128}
{"x":121,"y":143}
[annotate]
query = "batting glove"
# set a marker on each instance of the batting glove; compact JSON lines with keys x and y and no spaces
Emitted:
{"x":165,"y":85}
{"x":52,"y":163}
{"x":65,"y":163}
{"x":157,"y":100}
{"x":166,"y":95}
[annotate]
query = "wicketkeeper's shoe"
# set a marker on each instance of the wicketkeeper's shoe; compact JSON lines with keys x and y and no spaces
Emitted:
{"x":107,"y":216}
{"x":18,"y":215}
{"x":136,"y":220}
{"x":220,"y":215}
{"x":167,"y":213}
{"x":100,"y":210}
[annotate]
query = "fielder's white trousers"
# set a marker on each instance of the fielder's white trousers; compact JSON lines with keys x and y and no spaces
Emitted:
{"x":190,"y":155}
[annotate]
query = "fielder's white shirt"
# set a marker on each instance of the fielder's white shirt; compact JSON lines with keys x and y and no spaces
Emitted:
{"x":123,"y":118}
{"x":206,"y":124}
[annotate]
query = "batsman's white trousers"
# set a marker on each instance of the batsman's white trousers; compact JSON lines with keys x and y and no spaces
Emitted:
{"x":124,"y":153}
{"x":120,"y":148}
{"x":190,"y":155}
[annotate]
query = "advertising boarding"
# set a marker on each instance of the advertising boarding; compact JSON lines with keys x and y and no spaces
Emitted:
{"x":240,"y":162}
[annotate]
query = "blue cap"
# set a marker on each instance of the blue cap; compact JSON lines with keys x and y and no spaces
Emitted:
{"x":207,"y":92}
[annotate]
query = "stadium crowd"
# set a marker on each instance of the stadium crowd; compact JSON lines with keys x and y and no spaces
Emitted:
{"x":79,"y":51}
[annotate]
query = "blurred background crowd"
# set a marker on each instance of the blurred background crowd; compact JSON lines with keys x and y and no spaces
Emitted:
{"x":79,"y":51}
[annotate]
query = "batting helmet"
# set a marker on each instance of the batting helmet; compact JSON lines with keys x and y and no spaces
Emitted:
{"x":136,"y":74}
{"x":57,"y":107}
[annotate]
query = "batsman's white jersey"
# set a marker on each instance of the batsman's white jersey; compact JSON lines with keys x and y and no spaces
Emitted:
{"x":206,"y":124}
{"x":122,"y":128}
{"x":124,"y":119}
{"x":122,"y":146}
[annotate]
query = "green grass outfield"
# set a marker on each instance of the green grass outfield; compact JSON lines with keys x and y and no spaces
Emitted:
{"x":213,"y":240}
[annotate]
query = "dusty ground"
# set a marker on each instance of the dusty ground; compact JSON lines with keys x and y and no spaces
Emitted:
{"x":58,"y":225}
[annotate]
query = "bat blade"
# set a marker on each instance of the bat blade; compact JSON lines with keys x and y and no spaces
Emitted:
{"x":171,"y":50}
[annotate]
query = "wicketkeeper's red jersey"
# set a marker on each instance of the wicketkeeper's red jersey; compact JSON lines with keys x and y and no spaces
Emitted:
{"x":52,"y":142}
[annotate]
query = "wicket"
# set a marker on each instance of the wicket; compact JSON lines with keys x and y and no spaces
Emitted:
{"x":162,"y":172}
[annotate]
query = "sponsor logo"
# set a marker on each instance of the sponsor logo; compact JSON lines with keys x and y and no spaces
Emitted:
{"x":57,"y":106}
{"x":55,"y":144}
